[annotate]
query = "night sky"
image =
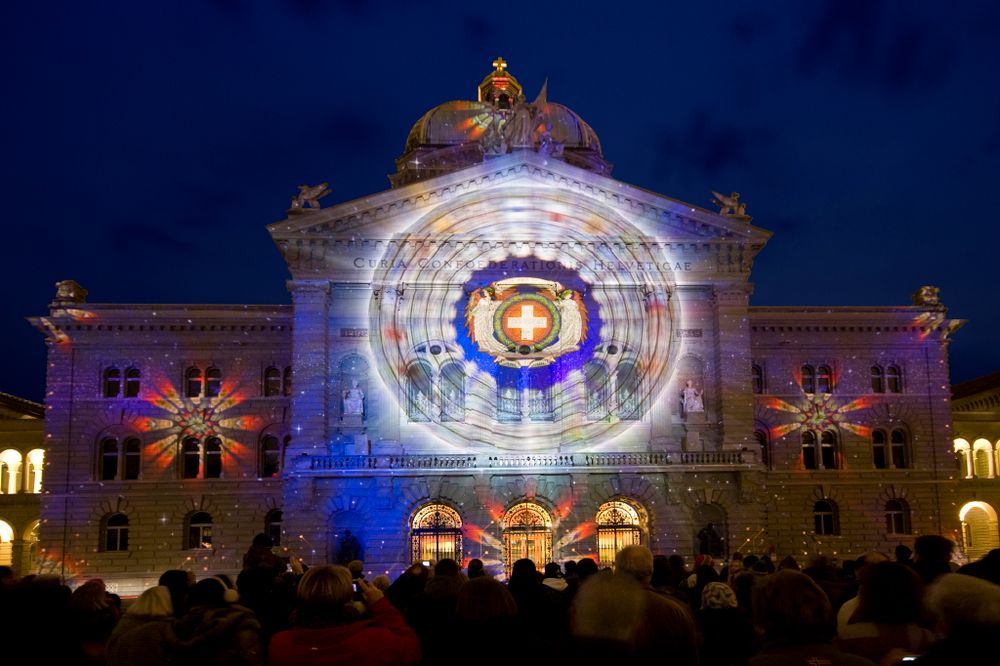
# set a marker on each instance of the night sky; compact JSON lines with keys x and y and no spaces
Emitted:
{"x":146,"y":144}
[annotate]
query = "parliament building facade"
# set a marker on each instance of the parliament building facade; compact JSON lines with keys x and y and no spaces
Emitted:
{"x":507,"y":354}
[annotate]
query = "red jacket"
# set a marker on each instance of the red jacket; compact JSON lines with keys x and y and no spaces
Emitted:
{"x":381,"y":638}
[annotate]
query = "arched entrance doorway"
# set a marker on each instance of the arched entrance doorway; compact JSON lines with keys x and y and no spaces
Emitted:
{"x":979,"y":529}
{"x":619,"y":524}
{"x":435,"y":534}
{"x":527,"y":533}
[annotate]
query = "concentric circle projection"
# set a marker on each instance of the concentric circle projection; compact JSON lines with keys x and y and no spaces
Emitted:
{"x":579,"y":389}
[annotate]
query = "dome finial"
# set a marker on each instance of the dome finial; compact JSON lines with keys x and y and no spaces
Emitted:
{"x":499,"y":88}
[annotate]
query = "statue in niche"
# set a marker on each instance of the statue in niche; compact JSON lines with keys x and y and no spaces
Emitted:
{"x":354,"y":400}
{"x":691,"y":398}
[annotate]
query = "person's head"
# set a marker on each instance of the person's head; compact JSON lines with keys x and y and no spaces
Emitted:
{"x":90,"y":597}
{"x":965,"y":607}
{"x":476,"y":568}
{"x":523,"y":574}
{"x":789,"y":607}
{"x":933,"y":548}
{"x":154,"y":602}
{"x":324,"y":596}
{"x":553,"y":570}
{"x":890,"y":593}
{"x":586,"y":567}
{"x":447,"y":567}
{"x":212,"y":593}
{"x":262,"y":541}
{"x":903,"y":553}
{"x":483,"y":601}
{"x":179,"y":582}
{"x":570,"y":567}
{"x":788,"y":562}
{"x":677,"y":564}
{"x":635,"y":561}
{"x":382,"y":582}
{"x":718,"y":595}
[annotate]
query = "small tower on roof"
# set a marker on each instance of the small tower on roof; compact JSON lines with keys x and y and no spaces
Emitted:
{"x":499,"y":88}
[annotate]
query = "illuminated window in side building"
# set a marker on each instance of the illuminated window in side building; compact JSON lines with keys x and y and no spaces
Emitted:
{"x":436,"y":534}
{"x":825,"y":519}
{"x":10,"y":471}
{"x":897,"y":517}
{"x":199,"y":531}
{"x":618,"y":525}
{"x":6,"y":543}
{"x":982,"y":459}
{"x":116,"y":532}
{"x":33,"y":471}
{"x":963,"y":458}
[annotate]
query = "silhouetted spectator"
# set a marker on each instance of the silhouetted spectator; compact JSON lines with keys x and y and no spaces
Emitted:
{"x":179,"y":582}
{"x":140,"y":637}
{"x":91,"y":618}
{"x":485,"y":610}
{"x":476,"y":569}
{"x":586,"y":567}
{"x":796,"y":619}
{"x":260,"y":556}
{"x":932,"y":556}
{"x":553,"y":577}
{"x":542,"y":612}
{"x":788,"y":562}
{"x":215,"y":629}
{"x":431,"y":613}
{"x":847,"y":610}
{"x":726,"y":630}
{"x":407,"y":586}
{"x":904,"y":555}
{"x":987,"y":567}
{"x":967,"y":614}
{"x":890,"y":608}
{"x":330,"y":629}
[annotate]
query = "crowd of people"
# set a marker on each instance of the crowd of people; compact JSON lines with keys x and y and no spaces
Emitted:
{"x":746,"y":610}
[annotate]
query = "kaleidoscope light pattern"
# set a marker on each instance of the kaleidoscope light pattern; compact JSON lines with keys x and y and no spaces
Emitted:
{"x":624,"y":280}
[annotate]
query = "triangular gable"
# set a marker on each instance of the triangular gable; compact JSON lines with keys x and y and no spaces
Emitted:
{"x":661,"y":215}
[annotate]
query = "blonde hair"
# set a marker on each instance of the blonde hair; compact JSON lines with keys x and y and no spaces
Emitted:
{"x":327,"y":584}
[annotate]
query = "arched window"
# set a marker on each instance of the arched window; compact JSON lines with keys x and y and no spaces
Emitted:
{"x":272,"y":525}
{"x":191,"y":458}
{"x":760,"y":436}
{"x":808,"y":379}
{"x":6,"y":543}
{"x":825,"y":519}
{"x":116,"y":532}
{"x":824,"y":379}
{"x":213,"y":382}
{"x":193,"y":380}
{"x":900,"y":456}
{"x":272,"y":382}
{"x":270,"y":457}
{"x":527,"y":533}
{"x":595,"y":379}
{"x":979,"y":528}
{"x":618,"y":525}
{"x":897,"y":517}
{"x":286,"y":387}
{"x":10,"y":471}
{"x":828,"y":449}
{"x":894,"y":379}
{"x":112,"y":382}
{"x":878,"y":379}
{"x":199,"y":531}
{"x":508,"y":394}
{"x":809,"y":458}
{"x":879,"y":457}
{"x":436,"y":533}
{"x":627,"y":388}
{"x":418,"y":392}
{"x":452,"y":393}
{"x":213,"y":458}
{"x":120,"y":460}
{"x":756,"y":379}
{"x":133,"y":382}
{"x":33,"y":471}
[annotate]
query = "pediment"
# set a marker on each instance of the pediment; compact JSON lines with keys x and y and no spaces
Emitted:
{"x":390,"y":212}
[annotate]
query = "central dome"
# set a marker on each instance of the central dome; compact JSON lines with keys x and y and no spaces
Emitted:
{"x":462,"y":133}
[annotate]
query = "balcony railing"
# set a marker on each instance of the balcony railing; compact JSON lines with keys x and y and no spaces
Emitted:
{"x":527,"y":460}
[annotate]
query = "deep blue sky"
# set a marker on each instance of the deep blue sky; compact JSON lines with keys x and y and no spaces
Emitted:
{"x":146,"y":144}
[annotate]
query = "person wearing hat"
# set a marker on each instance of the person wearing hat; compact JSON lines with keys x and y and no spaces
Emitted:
{"x":215,"y":629}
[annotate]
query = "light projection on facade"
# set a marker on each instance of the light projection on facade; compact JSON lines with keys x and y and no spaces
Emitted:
{"x":523,"y":334}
